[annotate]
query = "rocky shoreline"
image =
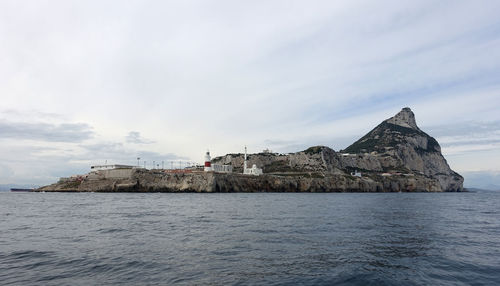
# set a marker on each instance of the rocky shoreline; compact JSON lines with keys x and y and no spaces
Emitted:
{"x":209,"y":182}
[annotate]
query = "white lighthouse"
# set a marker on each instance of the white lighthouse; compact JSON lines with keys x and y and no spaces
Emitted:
{"x":208,"y":164}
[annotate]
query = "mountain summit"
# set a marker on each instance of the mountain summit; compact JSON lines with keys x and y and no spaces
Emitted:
{"x":404,"y":118}
{"x":399,"y":130}
{"x":398,"y":144}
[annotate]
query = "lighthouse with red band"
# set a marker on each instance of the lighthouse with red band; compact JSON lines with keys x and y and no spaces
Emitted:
{"x":208,"y":164}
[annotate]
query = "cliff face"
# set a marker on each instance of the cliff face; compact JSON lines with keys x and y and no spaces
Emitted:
{"x":201,"y":182}
{"x":398,"y":144}
{"x":395,"y":156}
{"x":319,"y":159}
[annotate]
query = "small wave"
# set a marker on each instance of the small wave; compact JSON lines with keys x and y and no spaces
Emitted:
{"x":28,"y":254}
{"x":263,"y":231}
{"x":110,"y":230}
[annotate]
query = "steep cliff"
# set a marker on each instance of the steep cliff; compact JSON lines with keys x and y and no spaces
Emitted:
{"x":398,"y":144}
{"x":208,"y":182}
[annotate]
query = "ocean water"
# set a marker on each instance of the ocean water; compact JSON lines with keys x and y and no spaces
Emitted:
{"x":250,"y":239}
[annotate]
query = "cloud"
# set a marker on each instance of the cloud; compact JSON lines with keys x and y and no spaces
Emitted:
{"x":467,"y":137}
{"x":222,"y":74}
{"x":117,"y":153}
{"x":6,"y":171}
{"x":64,"y":132}
{"x":135,"y":138}
{"x":30,"y":115}
{"x":469,"y":127}
{"x":45,"y":163}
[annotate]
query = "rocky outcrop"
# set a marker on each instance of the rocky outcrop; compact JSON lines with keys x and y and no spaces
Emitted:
{"x":395,"y":156}
{"x":201,"y":182}
{"x":315,"y":159}
{"x":399,"y":145}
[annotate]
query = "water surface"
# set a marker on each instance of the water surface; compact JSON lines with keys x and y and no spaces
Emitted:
{"x":240,"y":239}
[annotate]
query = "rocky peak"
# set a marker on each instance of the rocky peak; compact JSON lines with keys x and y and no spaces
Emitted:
{"x":404,"y":118}
{"x":399,"y":131}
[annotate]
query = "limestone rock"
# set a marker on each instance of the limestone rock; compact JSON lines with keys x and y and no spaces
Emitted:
{"x":404,"y":118}
{"x":399,"y":145}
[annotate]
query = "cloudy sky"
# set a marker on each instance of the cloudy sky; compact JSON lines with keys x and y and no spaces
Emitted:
{"x":89,"y":82}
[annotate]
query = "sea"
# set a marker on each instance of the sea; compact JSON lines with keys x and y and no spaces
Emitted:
{"x":250,"y":238}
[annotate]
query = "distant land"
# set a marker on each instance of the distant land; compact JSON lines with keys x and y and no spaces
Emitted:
{"x":396,"y":156}
{"x":478,"y":190}
{"x":479,"y":184}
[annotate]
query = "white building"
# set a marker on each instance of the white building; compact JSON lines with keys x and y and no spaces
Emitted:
{"x":110,"y":167}
{"x":250,"y":171}
{"x":222,"y":168}
{"x":253,"y":171}
{"x":356,"y":174}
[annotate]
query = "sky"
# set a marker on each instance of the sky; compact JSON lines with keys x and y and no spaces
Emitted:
{"x":94,"y":82}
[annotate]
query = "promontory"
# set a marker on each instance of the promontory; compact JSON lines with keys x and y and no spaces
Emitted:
{"x":396,"y":156}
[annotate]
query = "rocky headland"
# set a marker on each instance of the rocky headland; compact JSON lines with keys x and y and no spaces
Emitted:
{"x":396,"y":156}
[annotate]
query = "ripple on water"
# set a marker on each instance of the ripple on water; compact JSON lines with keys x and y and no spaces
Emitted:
{"x":242,"y":239}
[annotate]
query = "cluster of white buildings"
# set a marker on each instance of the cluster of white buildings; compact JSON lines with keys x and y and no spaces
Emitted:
{"x":209,"y":167}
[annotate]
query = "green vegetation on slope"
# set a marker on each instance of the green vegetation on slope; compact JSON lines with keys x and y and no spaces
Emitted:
{"x":389,"y":135}
{"x":314,"y":150}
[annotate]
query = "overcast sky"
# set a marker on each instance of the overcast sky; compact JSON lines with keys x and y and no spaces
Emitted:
{"x":85,"y":82}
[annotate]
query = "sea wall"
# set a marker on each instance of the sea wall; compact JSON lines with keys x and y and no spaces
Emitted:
{"x":111,"y":174}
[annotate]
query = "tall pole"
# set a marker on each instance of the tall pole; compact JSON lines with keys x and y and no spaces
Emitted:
{"x":138,"y":158}
{"x":245,"y":162}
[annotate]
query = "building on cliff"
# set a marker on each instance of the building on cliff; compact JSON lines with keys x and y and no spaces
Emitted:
{"x":222,"y":168}
{"x":110,"y":167}
{"x":356,"y":173}
{"x":219,"y":168}
{"x":250,"y":171}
